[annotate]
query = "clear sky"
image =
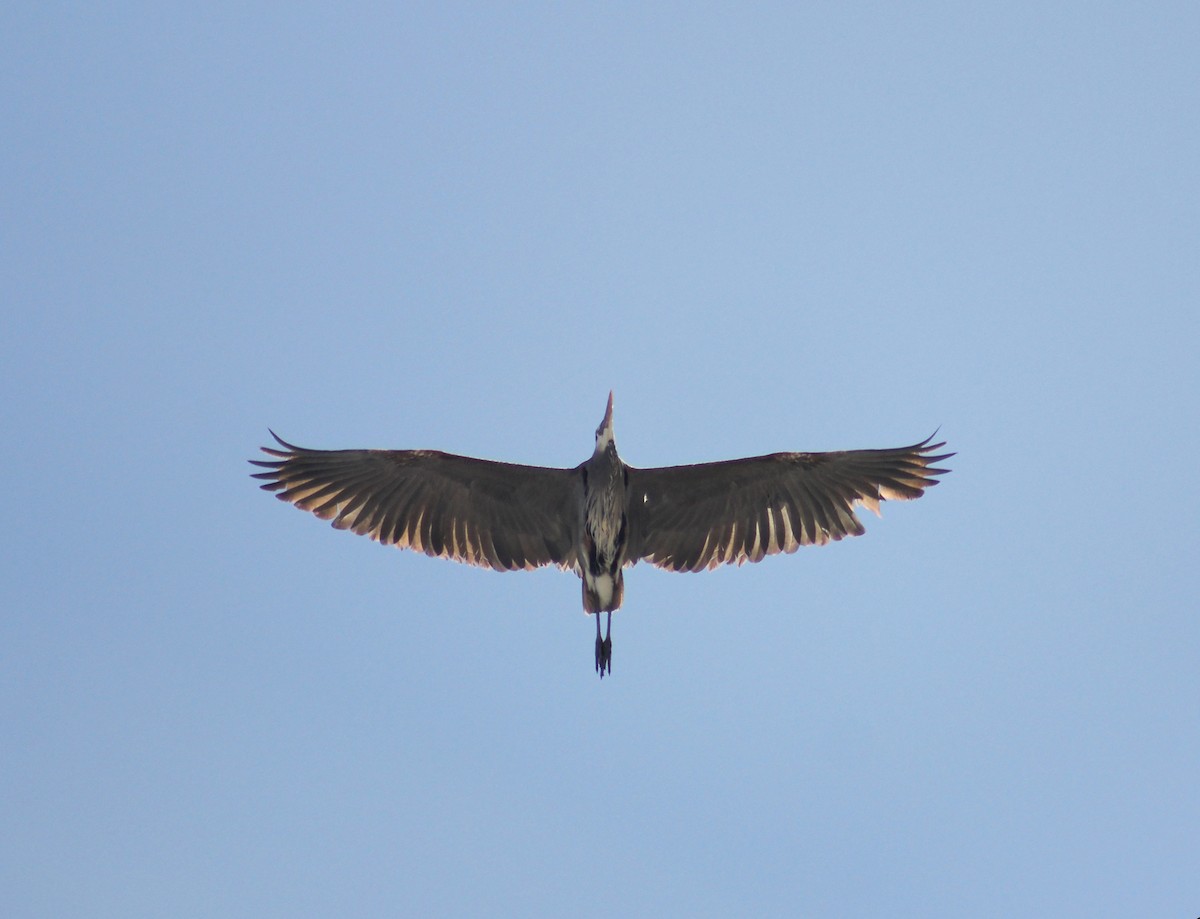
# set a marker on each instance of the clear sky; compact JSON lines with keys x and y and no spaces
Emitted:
{"x":458,"y":226}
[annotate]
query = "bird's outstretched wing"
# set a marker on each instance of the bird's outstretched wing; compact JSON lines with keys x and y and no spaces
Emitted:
{"x":497,"y":515}
{"x":687,"y":518}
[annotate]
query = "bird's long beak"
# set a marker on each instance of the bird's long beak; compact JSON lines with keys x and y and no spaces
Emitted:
{"x":604,"y":433}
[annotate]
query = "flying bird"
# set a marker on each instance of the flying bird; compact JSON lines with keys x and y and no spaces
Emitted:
{"x":604,"y":514}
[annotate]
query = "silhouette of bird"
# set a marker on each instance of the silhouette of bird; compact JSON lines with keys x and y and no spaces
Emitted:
{"x":602,"y":515}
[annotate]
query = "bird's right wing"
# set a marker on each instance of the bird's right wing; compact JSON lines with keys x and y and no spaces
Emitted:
{"x":497,"y":515}
{"x":687,"y":518}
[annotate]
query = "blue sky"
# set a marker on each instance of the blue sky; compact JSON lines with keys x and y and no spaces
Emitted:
{"x":766,"y":227}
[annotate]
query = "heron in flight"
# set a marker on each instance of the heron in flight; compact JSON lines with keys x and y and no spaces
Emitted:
{"x":602,"y":515}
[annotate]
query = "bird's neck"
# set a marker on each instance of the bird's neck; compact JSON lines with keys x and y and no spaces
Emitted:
{"x":605,"y":461}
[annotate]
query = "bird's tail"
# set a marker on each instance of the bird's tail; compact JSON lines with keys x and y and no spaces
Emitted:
{"x":603,"y":593}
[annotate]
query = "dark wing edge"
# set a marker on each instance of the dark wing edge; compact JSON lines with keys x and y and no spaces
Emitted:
{"x":495,"y":515}
{"x":689,"y":518}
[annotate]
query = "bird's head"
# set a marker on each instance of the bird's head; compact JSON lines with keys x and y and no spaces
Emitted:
{"x":604,"y":433}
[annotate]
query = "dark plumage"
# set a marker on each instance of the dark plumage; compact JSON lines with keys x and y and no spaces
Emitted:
{"x":602,"y":515}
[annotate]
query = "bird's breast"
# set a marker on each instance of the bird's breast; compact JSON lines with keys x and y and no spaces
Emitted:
{"x":603,"y":523}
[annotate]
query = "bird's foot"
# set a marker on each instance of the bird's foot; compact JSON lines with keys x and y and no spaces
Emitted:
{"x":603,"y":656}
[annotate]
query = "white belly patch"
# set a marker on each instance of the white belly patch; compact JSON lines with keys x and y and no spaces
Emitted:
{"x":603,"y":586}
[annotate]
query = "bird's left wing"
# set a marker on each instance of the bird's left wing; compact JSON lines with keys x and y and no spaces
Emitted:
{"x":688,"y":518}
{"x":497,"y":515}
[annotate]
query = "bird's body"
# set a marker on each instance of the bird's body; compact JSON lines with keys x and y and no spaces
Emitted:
{"x":603,"y":534}
{"x":601,"y":516}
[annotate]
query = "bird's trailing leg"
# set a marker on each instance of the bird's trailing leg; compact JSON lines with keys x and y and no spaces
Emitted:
{"x":603,"y":648}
